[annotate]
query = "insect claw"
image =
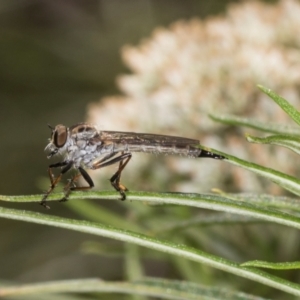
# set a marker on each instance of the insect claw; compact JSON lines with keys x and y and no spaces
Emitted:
{"x":43,"y":203}
{"x":123,"y":195}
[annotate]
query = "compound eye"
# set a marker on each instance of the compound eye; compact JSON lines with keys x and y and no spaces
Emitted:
{"x":59,"y":136}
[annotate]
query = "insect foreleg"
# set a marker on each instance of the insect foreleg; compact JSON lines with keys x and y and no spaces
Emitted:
{"x":54,"y":181}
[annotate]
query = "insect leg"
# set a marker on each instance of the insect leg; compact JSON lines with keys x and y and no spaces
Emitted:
{"x":54,"y":181}
{"x":99,"y":164}
{"x":105,"y":158}
{"x":70,"y":186}
{"x":115,"y":179}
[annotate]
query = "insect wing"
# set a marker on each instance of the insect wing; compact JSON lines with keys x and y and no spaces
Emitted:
{"x":133,"y":138}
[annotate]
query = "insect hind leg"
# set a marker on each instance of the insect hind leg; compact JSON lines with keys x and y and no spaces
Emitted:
{"x":123,"y":160}
{"x":115,"y":179}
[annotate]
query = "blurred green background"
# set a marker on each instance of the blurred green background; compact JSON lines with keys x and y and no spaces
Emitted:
{"x":57,"y":57}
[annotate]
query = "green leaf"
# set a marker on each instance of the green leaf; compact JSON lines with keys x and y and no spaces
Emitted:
{"x":284,"y":104}
{"x":167,"y":246}
{"x":288,"y":182}
{"x":255,"y":124}
{"x":288,"y":141}
{"x":272,"y":265}
{"x":293,"y":204}
{"x":161,"y":288}
{"x":206,"y":201}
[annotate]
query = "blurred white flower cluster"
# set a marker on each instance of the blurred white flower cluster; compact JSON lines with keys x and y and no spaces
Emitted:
{"x":195,"y":67}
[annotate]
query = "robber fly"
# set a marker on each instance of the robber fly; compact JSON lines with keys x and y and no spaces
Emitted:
{"x":83,"y":146}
